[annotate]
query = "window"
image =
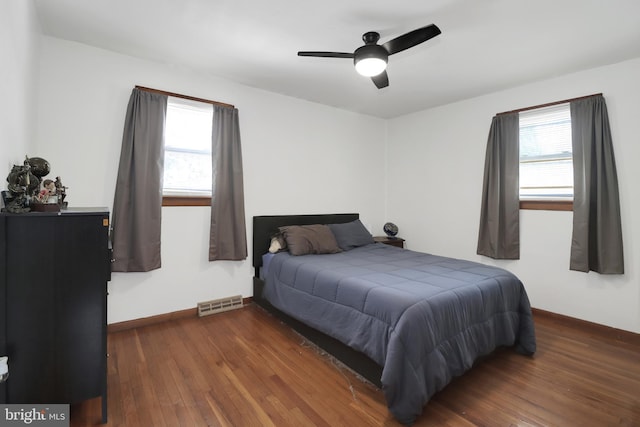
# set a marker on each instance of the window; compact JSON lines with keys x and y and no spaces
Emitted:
{"x":546,"y":163}
{"x":187,"y":155}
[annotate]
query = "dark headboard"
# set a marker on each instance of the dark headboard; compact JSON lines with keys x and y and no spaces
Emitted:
{"x":265,"y":226}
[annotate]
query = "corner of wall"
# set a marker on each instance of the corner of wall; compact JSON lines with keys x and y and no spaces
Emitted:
{"x":20,"y":35}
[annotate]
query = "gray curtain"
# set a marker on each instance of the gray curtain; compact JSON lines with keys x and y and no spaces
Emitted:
{"x":227,"y":236}
{"x":597,"y":231}
{"x":499,"y":235}
{"x":137,"y":204}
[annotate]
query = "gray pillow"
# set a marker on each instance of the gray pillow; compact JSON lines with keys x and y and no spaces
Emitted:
{"x":310,"y":239}
{"x":351,"y":235}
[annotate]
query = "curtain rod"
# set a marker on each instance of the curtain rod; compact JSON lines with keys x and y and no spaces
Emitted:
{"x":177,"y":95}
{"x":519,"y":110}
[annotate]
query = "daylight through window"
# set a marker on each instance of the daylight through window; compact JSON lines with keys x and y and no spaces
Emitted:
{"x":187,"y":156}
{"x":546,"y":163}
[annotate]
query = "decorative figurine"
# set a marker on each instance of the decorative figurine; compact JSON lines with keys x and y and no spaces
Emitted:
{"x":61,"y":191}
{"x":23,"y":190}
{"x":22,"y":182}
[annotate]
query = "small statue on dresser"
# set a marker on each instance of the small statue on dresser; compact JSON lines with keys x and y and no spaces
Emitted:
{"x":61,"y":191}
{"x":51,"y":197}
{"x":23,"y":190}
{"x":21,"y":183}
{"x":48,"y":192}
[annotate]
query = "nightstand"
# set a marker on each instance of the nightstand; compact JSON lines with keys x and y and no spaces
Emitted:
{"x":393,"y":241}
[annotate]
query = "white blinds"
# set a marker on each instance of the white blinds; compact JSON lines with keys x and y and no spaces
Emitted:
{"x":187,"y":157}
{"x":546,"y":166}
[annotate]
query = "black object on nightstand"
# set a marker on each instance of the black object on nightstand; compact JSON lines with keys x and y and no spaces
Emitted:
{"x":54,"y":268}
{"x":393,"y":241}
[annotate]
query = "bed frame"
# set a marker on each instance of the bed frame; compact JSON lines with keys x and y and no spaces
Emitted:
{"x":264,"y":227}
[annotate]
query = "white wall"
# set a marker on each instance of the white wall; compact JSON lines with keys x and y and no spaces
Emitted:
{"x":301,"y":157}
{"x":435,"y":177}
{"x":298,"y":157}
{"x":18,"y":52}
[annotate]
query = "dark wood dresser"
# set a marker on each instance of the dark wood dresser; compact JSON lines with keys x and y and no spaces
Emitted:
{"x":53,"y":305}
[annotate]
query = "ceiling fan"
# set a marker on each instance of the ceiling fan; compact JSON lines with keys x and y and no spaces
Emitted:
{"x":371,"y":59}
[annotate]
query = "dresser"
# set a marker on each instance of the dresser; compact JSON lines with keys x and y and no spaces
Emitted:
{"x":53,"y":283}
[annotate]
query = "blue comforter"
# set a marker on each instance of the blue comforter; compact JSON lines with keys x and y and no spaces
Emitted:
{"x":424,"y":318}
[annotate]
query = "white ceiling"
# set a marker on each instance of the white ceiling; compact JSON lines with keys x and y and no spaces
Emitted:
{"x":485,"y":45}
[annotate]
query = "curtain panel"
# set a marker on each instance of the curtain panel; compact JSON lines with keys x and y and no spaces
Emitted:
{"x":499,"y":234}
{"x":227,"y":235}
{"x":137,"y":204}
{"x":597,"y":229}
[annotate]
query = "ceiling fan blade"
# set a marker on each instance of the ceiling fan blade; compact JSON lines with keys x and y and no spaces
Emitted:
{"x":327,"y":54}
{"x":411,"y":39}
{"x":381,"y":80}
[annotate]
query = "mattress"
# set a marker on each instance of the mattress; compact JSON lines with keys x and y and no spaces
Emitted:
{"x":424,"y":318}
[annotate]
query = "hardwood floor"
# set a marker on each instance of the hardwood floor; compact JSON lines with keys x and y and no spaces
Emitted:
{"x":245,"y":368}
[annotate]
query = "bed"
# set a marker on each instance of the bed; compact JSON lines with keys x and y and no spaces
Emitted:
{"x":407,"y":321}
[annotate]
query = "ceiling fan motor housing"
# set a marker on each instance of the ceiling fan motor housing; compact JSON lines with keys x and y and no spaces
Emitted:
{"x":370,"y":52}
{"x":370,"y":37}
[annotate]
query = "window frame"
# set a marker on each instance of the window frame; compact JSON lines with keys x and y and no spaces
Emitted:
{"x":188,"y":197}
{"x":186,"y":200}
{"x":546,"y":205}
{"x":549,"y":202}
{"x":550,"y":205}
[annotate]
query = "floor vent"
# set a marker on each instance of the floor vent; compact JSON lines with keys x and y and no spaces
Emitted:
{"x":219,"y":305}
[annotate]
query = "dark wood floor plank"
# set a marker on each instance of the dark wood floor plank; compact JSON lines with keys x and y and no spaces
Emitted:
{"x":245,"y":368}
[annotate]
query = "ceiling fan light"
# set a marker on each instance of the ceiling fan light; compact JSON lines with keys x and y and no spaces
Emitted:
{"x":370,"y":59}
{"x":370,"y":66}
